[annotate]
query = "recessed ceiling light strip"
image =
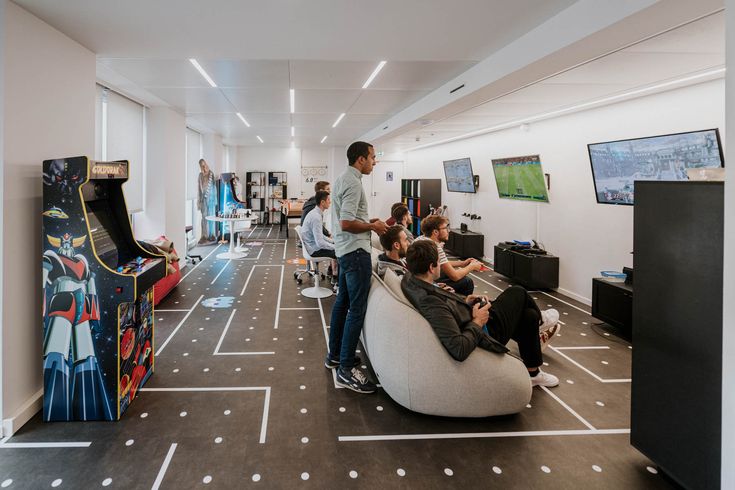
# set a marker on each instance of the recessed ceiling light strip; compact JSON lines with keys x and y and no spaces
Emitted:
{"x":259,"y":139}
{"x":323,"y":140}
{"x":338,"y":120}
{"x":243,"y":119}
{"x":292,"y":93}
{"x":202,"y":72}
{"x":373,"y":75}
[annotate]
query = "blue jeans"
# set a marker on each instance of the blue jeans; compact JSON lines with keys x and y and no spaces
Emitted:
{"x":348,"y":312}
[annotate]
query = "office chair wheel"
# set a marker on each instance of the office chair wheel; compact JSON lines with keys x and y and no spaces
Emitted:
{"x":295,"y":275}
{"x":299,"y":281}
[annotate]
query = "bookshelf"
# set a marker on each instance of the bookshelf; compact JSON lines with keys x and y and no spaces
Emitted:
{"x":277,"y":190}
{"x":255,"y":188}
{"x":419,"y":195}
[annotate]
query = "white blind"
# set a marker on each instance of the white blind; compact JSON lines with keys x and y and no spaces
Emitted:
{"x":126,"y":141}
{"x":98,"y":122}
{"x":193,"y":154}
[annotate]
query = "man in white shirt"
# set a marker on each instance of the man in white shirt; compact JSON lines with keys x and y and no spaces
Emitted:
{"x":312,"y":231}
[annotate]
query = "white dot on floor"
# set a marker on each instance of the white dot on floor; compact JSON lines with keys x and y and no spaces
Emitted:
{"x":259,"y":301}
{"x":256,"y":477}
{"x":185,"y":354}
{"x":176,"y":370}
{"x":597,"y":468}
{"x":585,"y":323}
{"x":237,"y":370}
{"x":630,"y":347}
{"x":651,"y":469}
{"x":301,"y":327}
{"x":193,"y":340}
{"x":342,"y":409}
{"x":448,"y":471}
{"x":271,"y":368}
{"x":129,"y":442}
{"x":247,"y":340}
{"x":255,"y":318}
{"x":497,"y":470}
{"x":549,"y":306}
{"x":546,"y":469}
{"x":379,"y":408}
{"x":301,"y":368}
{"x":605,"y":363}
{"x":599,"y":404}
{"x":207,"y":318}
{"x":301,"y":317}
{"x":304,"y":476}
{"x":302,"y":387}
{"x":303,"y":410}
{"x":257,"y":309}
{"x":201,"y":329}
{"x":304,"y":440}
{"x":546,"y":364}
{"x":564,"y":313}
{"x":353,"y":474}
{"x":275,"y":338}
{"x":528,"y":406}
{"x":6,"y":483}
{"x":570,"y":381}
{"x":583,"y":334}
{"x":301,"y":352}
{"x":251,"y":328}
{"x":401,"y":472}
{"x":206,"y":370}
{"x":228,"y":412}
{"x":160,"y":319}
{"x":217,"y":440}
{"x":56,"y":482}
{"x":207,"y":479}
{"x":301,"y":338}
{"x":106,"y":482}
{"x":143,"y":415}
{"x":183,"y":414}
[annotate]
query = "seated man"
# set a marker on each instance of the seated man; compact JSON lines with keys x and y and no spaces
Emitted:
{"x":453,"y":272}
{"x":391,"y":220}
{"x":311,"y":203}
{"x":312,"y":234}
{"x":462,"y":323}
{"x":395,"y":244}
{"x":401,"y":216}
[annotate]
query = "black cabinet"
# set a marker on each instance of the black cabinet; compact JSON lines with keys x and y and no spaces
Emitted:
{"x":531,"y":270}
{"x":676,"y":397}
{"x":466,"y":244}
{"x":612,"y":302}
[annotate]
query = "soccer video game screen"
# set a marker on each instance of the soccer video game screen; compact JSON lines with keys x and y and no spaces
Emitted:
{"x":521,"y":178}
{"x":616,"y":165}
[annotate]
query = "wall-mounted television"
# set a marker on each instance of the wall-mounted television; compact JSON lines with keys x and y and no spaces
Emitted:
{"x":520,"y":178}
{"x":616,"y":165}
{"x":459,"y":175}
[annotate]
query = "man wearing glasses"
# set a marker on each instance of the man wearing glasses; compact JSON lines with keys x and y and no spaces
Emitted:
{"x":453,"y":272}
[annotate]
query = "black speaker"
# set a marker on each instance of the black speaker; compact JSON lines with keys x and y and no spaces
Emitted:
{"x":463,"y":227}
{"x":476,"y":179}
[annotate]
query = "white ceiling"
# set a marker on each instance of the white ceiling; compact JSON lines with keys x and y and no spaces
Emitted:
{"x":256,"y":51}
{"x":326,"y":49}
{"x":697,"y":47}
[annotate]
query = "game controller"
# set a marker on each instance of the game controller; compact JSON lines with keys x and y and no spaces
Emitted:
{"x":478,"y":301}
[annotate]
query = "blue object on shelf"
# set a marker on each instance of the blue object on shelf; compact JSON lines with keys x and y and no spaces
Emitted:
{"x":519,"y":242}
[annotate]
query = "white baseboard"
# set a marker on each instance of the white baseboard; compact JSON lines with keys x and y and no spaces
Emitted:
{"x":574,"y":295}
{"x":23,"y":415}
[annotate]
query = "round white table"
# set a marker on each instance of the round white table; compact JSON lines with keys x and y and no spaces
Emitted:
{"x":231,"y":253}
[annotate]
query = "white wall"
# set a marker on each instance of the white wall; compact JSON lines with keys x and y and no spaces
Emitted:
{"x":265,"y":159}
{"x":588,"y":237}
{"x":728,"y":313}
{"x":165,"y":179}
{"x":49,"y":99}
{"x":2,"y":180}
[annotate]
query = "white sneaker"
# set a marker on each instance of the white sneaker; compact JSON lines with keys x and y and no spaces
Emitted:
{"x":544,"y":379}
{"x":549,"y":318}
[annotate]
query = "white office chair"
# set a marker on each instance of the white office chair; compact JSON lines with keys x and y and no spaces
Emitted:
{"x":313,"y":270}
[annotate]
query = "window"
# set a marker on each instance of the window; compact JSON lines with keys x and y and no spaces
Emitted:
{"x":120,"y":135}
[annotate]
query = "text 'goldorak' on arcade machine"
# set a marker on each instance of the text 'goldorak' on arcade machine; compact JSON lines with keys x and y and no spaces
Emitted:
{"x":98,"y":293}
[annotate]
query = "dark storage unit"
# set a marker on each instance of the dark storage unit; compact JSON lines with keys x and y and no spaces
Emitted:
{"x":677,"y":326}
{"x":255,"y":194}
{"x":466,"y":244}
{"x":531,"y":270}
{"x":612,"y":302}
{"x":277,"y":191}
{"x":419,"y":195}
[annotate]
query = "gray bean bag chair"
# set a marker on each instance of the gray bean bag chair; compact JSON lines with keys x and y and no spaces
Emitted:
{"x":416,"y":371}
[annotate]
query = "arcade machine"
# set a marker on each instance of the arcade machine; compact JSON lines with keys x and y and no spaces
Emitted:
{"x":98,"y":293}
{"x":230,"y":191}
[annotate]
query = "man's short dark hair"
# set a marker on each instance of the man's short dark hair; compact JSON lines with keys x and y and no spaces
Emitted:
{"x":391,"y":236}
{"x":420,"y":255}
{"x":321,"y":185}
{"x":399,"y":212}
{"x":431,"y":223}
{"x":321,"y":196}
{"x":356,"y":150}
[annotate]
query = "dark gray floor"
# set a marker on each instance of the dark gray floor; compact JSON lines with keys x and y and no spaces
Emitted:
{"x":240,"y":398}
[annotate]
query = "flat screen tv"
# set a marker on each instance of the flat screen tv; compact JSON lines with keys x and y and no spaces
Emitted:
{"x":616,"y":165}
{"x":459,"y":175}
{"x":520,"y":178}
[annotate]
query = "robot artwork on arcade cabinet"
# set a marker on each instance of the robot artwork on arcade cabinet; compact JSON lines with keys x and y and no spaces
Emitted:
{"x":80,"y":344}
{"x":136,"y":347}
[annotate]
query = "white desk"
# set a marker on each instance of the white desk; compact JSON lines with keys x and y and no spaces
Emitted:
{"x":231,"y":253}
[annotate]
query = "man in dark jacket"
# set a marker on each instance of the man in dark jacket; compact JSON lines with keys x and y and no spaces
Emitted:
{"x":464,"y":323}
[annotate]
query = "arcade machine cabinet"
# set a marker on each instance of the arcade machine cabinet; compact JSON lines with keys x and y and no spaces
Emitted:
{"x":229,"y":190}
{"x":98,"y":293}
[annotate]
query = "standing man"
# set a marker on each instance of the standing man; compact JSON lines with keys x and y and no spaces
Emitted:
{"x":351,"y":228}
